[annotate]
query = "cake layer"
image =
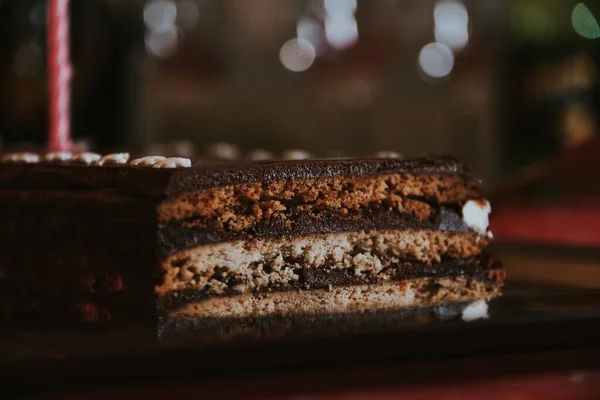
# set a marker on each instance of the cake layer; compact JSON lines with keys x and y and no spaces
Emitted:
{"x":240,"y":206}
{"x":123,"y":308}
{"x":59,"y":176}
{"x":21,"y":203}
{"x":175,"y":236}
{"x":301,"y":207}
{"x":258,"y":264}
{"x":413,"y":293}
{"x":482,"y":269}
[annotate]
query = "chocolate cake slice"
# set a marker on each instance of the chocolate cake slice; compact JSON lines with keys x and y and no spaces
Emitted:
{"x":243,"y":248}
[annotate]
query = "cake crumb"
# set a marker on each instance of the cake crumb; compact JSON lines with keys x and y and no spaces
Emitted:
{"x":476,"y":310}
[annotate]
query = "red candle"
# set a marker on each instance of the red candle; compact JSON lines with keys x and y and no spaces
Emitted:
{"x":59,"y":75}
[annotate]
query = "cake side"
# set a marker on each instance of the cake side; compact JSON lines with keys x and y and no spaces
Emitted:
{"x":207,"y":244}
{"x":77,"y":256}
{"x":325,"y":245}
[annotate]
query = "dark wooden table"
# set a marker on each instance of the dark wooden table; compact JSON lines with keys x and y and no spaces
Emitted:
{"x":542,"y":342}
{"x":547,"y":375}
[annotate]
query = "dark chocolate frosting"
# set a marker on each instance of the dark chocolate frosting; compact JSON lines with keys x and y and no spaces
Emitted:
{"x":171,"y":182}
{"x":160,"y":182}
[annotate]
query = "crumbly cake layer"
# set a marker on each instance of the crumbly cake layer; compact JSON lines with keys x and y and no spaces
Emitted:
{"x":238,"y":207}
{"x":174,"y":237}
{"x":413,"y":293}
{"x":482,"y":269}
{"x":302,"y":207}
{"x":258,"y":264}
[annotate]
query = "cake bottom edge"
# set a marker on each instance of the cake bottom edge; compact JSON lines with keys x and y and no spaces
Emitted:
{"x":185,"y":330}
{"x":333,"y":310}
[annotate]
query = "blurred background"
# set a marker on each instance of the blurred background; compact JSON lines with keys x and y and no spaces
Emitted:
{"x":509,"y":86}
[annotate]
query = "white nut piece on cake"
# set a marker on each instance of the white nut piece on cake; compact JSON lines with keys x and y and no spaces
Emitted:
{"x":147,"y":161}
{"x":85,"y":158}
{"x":173,"y":162}
{"x":387,"y":154}
{"x":476,"y":215}
{"x":58,"y":156}
{"x":113,"y":159}
{"x":296,"y":154}
{"x":28,"y":158}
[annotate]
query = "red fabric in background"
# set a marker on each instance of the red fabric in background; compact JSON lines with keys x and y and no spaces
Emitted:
{"x":576,"y":224}
{"x":576,"y":385}
{"x":570,"y":374}
{"x":572,"y":218}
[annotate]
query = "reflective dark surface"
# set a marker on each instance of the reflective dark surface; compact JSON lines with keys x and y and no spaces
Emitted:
{"x":529,"y":318}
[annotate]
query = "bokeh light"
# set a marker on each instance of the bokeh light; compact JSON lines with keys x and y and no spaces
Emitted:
{"x":584,"y":22}
{"x":341,"y":30}
{"x":436,"y":60}
{"x":310,"y":30}
{"x":163,"y":42}
{"x":531,"y":22}
{"x":159,"y":14}
{"x":297,"y":54}
{"x":339,"y":7}
{"x":451,"y":24}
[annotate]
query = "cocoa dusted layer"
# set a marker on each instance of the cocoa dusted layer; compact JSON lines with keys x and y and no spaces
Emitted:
{"x":483,"y":269}
{"x":279,"y":326}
